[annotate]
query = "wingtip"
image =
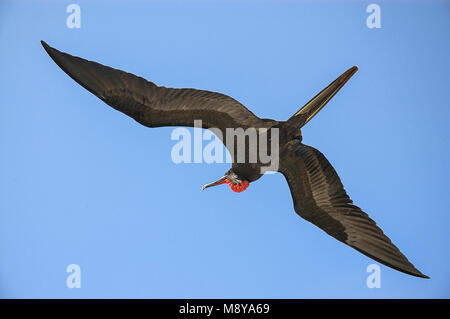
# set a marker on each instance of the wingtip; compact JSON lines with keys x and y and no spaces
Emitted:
{"x":423,"y":276}
{"x":418,"y":273}
{"x":413,"y":272}
{"x":46,"y":47}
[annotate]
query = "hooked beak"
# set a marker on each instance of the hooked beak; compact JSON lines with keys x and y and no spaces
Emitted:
{"x":320,"y":100}
{"x":218,"y":182}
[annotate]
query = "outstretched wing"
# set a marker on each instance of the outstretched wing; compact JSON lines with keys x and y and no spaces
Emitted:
{"x":153,"y":105}
{"x":320,"y":198}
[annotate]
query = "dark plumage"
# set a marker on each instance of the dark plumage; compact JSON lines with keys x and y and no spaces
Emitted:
{"x":316,"y":189}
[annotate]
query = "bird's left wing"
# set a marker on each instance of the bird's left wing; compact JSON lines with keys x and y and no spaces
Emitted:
{"x":320,"y":198}
{"x":153,"y":105}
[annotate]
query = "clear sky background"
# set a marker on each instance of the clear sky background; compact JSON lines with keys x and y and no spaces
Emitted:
{"x":81,"y":183}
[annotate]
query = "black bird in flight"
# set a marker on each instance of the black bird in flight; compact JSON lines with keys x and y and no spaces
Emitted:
{"x":317,"y":192}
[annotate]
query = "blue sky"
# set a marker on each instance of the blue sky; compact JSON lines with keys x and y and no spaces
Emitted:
{"x":83,"y":184}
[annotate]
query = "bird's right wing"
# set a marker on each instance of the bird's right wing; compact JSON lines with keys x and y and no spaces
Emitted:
{"x":153,"y":105}
{"x":320,"y":198}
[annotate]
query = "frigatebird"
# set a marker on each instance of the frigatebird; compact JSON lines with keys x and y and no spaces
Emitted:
{"x":316,"y":189}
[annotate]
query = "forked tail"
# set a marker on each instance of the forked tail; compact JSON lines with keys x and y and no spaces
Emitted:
{"x":310,"y":109}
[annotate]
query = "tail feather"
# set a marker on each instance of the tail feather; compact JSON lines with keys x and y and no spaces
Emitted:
{"x":310,"y":109}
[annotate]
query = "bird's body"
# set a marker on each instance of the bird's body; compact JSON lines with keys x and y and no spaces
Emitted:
{"x":316,"y":189}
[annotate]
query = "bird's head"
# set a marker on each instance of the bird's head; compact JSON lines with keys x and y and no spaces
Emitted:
{"x":236,"y":183}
